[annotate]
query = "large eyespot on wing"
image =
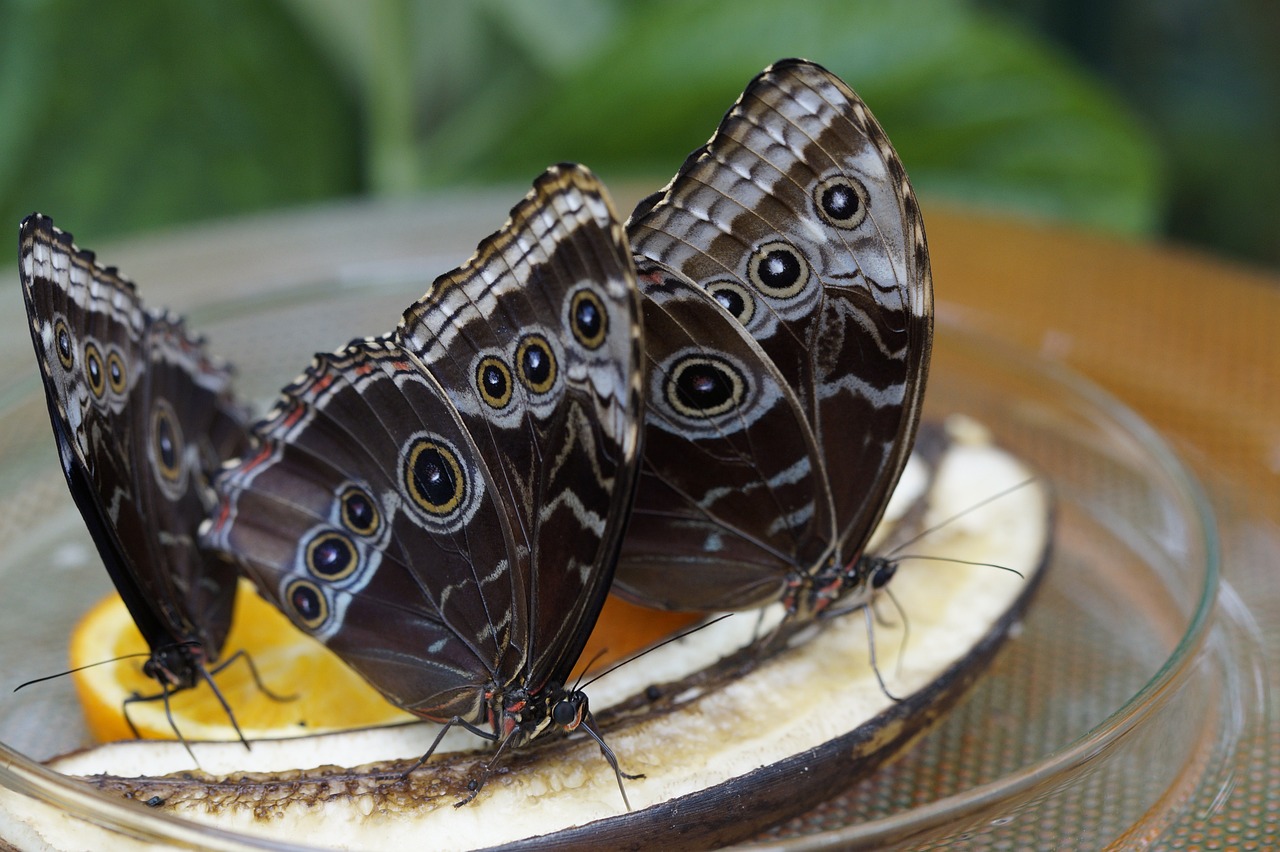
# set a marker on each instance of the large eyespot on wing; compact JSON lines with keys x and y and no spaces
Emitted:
{"x":95,"y":371}
{"x":63,"y":344}
{"x":841,"y":201}
{"x":308,"y":606}
{"x":440,"y":485}
{"x":700,"y":393}
{"x":493,"y":381}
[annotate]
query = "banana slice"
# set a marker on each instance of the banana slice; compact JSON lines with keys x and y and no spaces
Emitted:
{"x":727,"y":745}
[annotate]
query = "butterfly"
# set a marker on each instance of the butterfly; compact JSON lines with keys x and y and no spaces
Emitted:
{"x":141,"y":414}
{"x":442,"y":506}
{"x":788,"y":323}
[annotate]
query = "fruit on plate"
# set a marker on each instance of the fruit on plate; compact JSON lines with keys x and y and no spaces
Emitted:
{"x":728,"y":742}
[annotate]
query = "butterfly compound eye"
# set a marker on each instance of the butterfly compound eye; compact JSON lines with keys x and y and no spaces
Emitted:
{"x":566,"y":713}
{"x":883,"y":574}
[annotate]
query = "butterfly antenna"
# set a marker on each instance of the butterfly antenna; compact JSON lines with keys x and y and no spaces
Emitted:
{"x":871,"y":647}
{"x":82,"y":668}
{"x":932,"y":558}
{"x":587,"y":668}
{"x":958,"y":515}
{"x":651,"y":649}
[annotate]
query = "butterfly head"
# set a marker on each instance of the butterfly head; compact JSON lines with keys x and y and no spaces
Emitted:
{"x":838,"y":588}
{"x":176,"y":666}
{"x":521,"y":717}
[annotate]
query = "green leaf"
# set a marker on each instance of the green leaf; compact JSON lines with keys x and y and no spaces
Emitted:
{"x":979,"y":112}
{"x":126,"y":116}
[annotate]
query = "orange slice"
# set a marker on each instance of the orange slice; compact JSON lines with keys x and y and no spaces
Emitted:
{"x":330,"y":696}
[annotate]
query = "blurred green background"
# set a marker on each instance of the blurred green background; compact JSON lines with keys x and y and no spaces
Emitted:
{"x":1139,"y":117}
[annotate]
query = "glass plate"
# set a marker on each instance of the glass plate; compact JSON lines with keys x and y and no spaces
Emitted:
{"x":1113,"y":707}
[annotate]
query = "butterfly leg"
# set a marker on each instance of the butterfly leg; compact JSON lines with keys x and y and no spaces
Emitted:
{"x":474,"y":786}
{"x":253,"y":672}
{"x":589,"y":723}
{"x":871,"y":649}
{"x":207,"y":677}
{"x":906,"y":627}
{"x":162,"y":695}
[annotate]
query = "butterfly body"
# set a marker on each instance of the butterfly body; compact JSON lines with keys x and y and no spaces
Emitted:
{"x":140,"y":413}
{"x":442,"y":506}
{"x":788,"y":323}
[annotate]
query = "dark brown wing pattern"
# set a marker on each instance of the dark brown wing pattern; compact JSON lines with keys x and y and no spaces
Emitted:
{"x":141,"y":414}
{"x":443,"y":506}
{"x":772,"y":448}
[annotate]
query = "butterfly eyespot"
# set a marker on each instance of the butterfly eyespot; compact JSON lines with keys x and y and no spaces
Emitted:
{"x":116,"y":375}
{"x":62,"y":342}
{"x":359,"y":514}
{"x":536,"y":363}
{"x":306,"y":604}
{"x":735,"y":299}
{"x":166,"y":441}
{"x":93,"y":369}
{"x":332,"y":556}
{"x":841,"y":202}
{"x":778,"y":270}
{"x":434,"y":478}
{"x":703,"y":386}
{"x":588,"y":318}
{"x":493,"y":381}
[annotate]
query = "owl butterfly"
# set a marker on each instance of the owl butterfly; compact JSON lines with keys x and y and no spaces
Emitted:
{"x":443,"y":505}
{"x":788,"y":322}
{"x":141,"y":413}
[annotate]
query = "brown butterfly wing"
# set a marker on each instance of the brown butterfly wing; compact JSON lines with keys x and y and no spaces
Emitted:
{"x":141,"y":414}
{"x":798,"y":218}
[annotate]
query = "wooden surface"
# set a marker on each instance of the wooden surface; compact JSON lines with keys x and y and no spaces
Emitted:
{"x":1189,"y":342}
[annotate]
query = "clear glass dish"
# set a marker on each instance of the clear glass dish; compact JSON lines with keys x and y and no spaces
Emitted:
{"x":1114,"y":706}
